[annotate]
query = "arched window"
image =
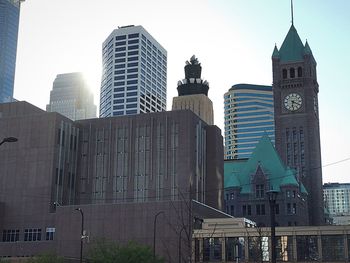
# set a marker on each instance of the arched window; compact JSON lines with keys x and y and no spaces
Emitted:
{"x":284,"y":73}
{"x":300,"y":72}
{"x":292,"y":73}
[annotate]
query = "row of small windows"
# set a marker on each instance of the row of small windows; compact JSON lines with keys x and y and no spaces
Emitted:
{"x":243,"y":120}
{"x":30,"y":234}
{"x":123,"y":54}
{"x":255,"y":124}
{"x":292,"y":73}
{"x":123,"y":100}
{"x":237,"y":95}
{"x":122,"y":89}
{"x":122,"y":77}
{"x":122,"y":37}
{"x":257,"y":134}
{"x":121,"y":40}
{"x":122,"y":95}
{"x":258,"y":129}
{"x":256,"y":113}
{"x":260,"y":209}
{"x":127,"y":106}
{"x":128,"y":112}
{"x":122,"y":83}
{"x":122,"y":60}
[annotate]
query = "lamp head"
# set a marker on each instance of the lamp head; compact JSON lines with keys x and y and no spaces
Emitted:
{"x":10,"y":139}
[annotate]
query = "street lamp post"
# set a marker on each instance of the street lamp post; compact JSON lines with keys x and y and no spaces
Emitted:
{"x":154,"y":232}
{"x":82,"y":233}
{"x":9,"y":139}
{"x":272,"y":195}
{"x":182,"y":229}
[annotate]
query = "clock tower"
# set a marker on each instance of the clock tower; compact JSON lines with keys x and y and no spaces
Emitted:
{"x":297,"y":133}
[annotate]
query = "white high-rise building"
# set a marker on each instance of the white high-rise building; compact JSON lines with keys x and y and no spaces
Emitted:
{"x":337,"y":198}
{"x":134,"y":73}
{"x":71,"y":97}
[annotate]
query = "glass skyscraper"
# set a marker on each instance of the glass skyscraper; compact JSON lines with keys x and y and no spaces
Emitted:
{"x":249,"y":114}
{"x":9,"y":21}
{"x":71,"y":96}
{"x":134,"y":73}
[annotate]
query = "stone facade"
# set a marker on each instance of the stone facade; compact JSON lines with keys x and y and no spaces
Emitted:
{"x":297,"y":132}
{"x":247,"y":182}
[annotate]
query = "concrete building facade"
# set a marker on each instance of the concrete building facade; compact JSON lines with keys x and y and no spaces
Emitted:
{"x":134,"y":73}
{"x":121,"y":171}
{"x":71,"y":97}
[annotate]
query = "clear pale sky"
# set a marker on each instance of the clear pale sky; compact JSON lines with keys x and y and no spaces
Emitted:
{"x":233,"y":40}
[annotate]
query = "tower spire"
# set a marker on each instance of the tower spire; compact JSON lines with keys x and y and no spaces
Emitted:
{"x":291,"y":7}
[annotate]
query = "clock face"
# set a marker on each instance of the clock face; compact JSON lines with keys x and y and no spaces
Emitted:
{"x":292,"y":101}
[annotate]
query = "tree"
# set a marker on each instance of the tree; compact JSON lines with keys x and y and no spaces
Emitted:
{"x":110,"y":252}
{"x":46,"y":258}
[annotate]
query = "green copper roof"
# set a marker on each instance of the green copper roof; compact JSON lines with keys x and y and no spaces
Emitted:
{"x":292,"y":48}
{"x":238,"y":172}
{"x":232,"y":172}
{"x":307,"y":49}
{"x":275,"y":53}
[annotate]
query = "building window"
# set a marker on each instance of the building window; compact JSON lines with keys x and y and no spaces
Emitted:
{"x":288,"y":193}
{"x":301,"y":133}
{"x":291,"y":209}
{"x":284,"y":73}
{"x":260,"y":209}
{"x":244,"y":210}
{"x":32,"y":234}
{"x":50,"y":231}
{"x":11,"y":235}
{"x":232,"y":210}
{"x":135,"y":35}
{"x":287,"y":135}
{"x":232,"y":196}
{"x":259,"y":191}
{"x":120,"y":37}
{"x":300,"y":72}
{"x":249,"y":210}
{"x":292,"y":73}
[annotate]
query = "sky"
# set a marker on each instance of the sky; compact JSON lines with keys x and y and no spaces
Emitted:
{"x":233,"y":40}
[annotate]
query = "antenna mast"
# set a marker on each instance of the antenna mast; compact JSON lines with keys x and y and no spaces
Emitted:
{"x":291,"y":7}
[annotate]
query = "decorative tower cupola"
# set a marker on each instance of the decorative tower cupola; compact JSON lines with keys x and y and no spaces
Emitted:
{"x":193,"y":84}
{"x":193,"y":92}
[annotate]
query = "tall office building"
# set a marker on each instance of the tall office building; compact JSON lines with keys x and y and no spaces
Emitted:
{"x":295,"y":91}
{"x":9,"y":21}
{"x":337,"y":198}
{"x":71,"y":97}
{"x":134,"y":73}
{"x":248,"y":116}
